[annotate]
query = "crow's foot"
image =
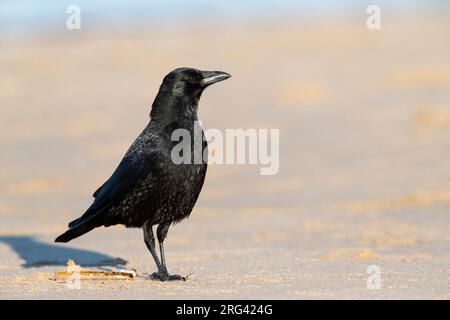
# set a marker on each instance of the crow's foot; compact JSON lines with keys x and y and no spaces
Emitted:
{"x":165,"y":276}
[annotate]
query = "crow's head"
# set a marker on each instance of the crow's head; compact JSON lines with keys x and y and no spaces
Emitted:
{"x":189,"y":82}
{"x":180,"y":92}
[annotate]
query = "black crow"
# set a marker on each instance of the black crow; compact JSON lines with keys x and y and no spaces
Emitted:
{"x":148,"y":188}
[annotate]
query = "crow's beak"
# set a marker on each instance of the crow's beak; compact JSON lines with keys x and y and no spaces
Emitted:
{"x":210,"y":77}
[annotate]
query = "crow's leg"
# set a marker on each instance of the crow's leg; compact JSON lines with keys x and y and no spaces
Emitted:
{"x":162,"y":273}
{"x":149,"y":240}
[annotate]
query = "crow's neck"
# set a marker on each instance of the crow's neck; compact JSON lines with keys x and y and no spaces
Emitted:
{"x":168,"y":108}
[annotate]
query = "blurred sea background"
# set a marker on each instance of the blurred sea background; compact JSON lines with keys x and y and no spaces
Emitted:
{"x":25,"y":16}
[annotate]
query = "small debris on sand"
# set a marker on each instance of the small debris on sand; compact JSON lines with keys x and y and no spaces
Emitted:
{"x":74,"y":270}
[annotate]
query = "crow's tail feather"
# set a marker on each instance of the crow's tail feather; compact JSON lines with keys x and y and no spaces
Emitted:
{"x":74,"y":222}
{"x":91,"y":219}
{"x":73,"y":233}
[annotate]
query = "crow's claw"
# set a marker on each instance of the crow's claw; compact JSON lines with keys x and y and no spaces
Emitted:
{"x":164,"y":276}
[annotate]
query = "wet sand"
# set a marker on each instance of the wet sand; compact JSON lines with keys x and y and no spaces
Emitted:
{"x":364,"y":178}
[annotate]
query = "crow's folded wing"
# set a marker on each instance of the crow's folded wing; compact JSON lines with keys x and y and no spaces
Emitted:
{"x":130,"y":171}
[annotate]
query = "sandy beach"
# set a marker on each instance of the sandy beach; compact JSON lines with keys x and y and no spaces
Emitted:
{"x":364,"y":178}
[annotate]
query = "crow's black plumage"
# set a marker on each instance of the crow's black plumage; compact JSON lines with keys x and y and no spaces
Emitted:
{"x":148,"y":188}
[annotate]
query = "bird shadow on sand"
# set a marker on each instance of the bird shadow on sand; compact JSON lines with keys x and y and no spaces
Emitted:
{"x":40,"y":254}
